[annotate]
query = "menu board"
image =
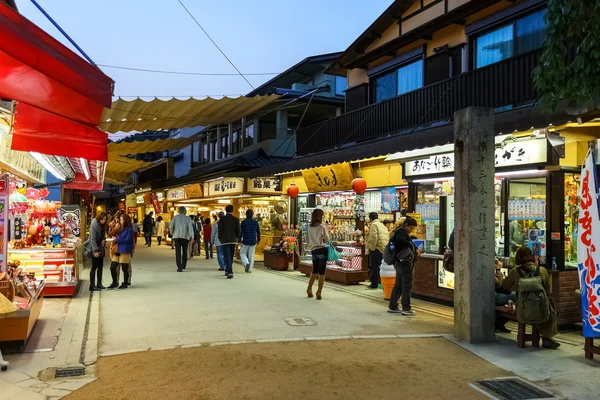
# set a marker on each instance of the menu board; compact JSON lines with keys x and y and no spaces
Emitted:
{"x":527,"y":209}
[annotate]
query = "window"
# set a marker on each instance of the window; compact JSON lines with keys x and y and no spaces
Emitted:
{"x":341,"y":84}
{"x":523,"y":35}
{"x":403,"y":80}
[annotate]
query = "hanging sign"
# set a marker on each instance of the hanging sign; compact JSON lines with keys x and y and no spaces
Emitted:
{"x":70,"y":216}
{"x":224,"y":187}
{"x":588,"y":249}
{"x":132,"y":210}
{"x":389,"y":200}
{"x":511,"y":154}
{"x":331,"y":178}
{"x":122,"y":205}
{"x":4,"y":193}
{"x":264,"y":185}
{"x":176,"y":194}
{"x":193,"y":191}
{"x":131,"y":200}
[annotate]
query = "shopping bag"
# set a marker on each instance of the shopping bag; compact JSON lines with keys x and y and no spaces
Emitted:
{"x":332,"y":254}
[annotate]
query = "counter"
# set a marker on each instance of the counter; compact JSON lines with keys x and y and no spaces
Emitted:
{"x":17,"y":326}
{"x":350,"y":270}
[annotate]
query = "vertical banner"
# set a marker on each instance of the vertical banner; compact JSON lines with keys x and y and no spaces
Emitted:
{"x":389,"y":200}
{"x":588,"y":249}
{"x":155,"y":203}
{"x":4,"y":192}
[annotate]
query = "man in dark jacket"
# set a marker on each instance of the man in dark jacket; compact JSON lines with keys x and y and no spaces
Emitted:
{"x":229,"y":232}
{"x":148,"y":226}
{"x":404,"y":269}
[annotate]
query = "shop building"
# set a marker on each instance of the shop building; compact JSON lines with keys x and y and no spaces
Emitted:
{"x":408,"y":73}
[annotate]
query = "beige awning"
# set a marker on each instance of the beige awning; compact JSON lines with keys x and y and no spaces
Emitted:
{"x":140,"y":115}
{"x":124,"y":148}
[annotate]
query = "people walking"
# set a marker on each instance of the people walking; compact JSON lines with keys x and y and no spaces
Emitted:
{"x":317,"y":242}
{"x":160,"y":229}
{"x":208,"y":244}
{"x":96,"y":245}
{"x":182,"y":231}
{"x":406,"y":255}
{"x":377,"y":239}
{"x":136,"y":230}
{"x":148,"y":226}
{"x":249,"y":237}
{"x":229,"y":232}
{"x":124,"y":243}
{"x":214,"y":237}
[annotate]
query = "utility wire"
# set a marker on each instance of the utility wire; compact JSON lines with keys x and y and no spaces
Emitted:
{"x":158,"y":71}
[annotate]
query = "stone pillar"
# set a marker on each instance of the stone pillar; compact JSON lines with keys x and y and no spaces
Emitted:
{"x":242,"y":135}
{"x":474,"y":249}
{"x":281,"y":125}
{"x":219,"y":149}
{"x":230,"y":141}
{"x":256,"y":131}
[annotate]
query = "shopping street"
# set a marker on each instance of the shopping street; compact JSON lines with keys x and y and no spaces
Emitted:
{"x":167,"y":319}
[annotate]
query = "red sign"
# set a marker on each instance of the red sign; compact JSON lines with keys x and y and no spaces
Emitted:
{"x":122,"y":205}
{"x":555,"y":235}
{"x":155,"y":203}
{"x":132,"y":210}
{"x":2,"y":186}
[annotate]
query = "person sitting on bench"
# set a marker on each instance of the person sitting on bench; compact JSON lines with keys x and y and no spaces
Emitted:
{"x":502,"y":297}
{"x":525,"y":260}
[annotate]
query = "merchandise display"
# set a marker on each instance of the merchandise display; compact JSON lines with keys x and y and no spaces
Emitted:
{"x":572,"y":189}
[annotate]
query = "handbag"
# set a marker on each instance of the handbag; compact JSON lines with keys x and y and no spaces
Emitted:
{"x":449,"y":260}
{"x":332,"y":254}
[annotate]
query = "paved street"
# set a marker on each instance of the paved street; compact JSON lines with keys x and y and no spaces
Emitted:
{"x":164,"y":308}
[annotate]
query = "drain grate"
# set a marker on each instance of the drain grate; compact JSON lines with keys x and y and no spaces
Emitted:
{"x":300,"y":321}
{"x":514,"y":389}
{"x":69,"y":372}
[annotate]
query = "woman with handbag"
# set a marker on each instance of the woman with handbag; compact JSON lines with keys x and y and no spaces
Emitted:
{"x":124,"y":249}
{"x":97,"y":242}
{"x":405,"y":258}
{"x":317,"y":242}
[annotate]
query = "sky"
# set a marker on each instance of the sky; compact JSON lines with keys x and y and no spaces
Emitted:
{"x":257,"y":35}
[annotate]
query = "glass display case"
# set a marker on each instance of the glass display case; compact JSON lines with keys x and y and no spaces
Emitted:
{"x":572,"y":192}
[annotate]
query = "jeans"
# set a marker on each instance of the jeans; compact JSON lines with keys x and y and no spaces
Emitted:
{"x":247,"y":255}
{"x":319,"y":260}
{"x":402,"y":287}
{"x":228,"y":253}
{"x":376,"y":258}
{"x":97,"y":265}
{"x":181,"y":253}
{"x":208,"y":249}
{"x":502,"y":298}
{"x":148,"y":237}
{"x":220,"y":258}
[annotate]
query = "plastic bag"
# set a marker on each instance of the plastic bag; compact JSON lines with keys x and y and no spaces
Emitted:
{"x":332,"y":254}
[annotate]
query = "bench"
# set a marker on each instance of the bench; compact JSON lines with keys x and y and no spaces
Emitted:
{"x":590,"y":349}
{"x":522,"y":336}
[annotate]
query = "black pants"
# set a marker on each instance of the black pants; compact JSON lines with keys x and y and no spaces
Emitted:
{"x":113,"y":273}
{"x":97,"y":265}
{"x":181,"y":251}
{"x":319,"y":260}
{"x":376,"y":258}
{"x":148,"y":238}
{"x":403,"y":286}
{"x":159,"y":239}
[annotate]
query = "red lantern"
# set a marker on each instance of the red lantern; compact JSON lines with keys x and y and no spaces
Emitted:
{"x":293,"y":191}
{"x":359,"y":185}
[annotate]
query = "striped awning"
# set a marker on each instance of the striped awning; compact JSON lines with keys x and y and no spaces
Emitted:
{"x":139,"y":115}
{"x":128,"y":147}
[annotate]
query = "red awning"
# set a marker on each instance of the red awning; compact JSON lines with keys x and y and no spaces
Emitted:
{"x":43,"y":132}
{"x":96,"y":170}
{"x":35,"y":49}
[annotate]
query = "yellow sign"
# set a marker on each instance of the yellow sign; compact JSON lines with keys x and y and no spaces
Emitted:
{"x":224,"y":187}
{"x":330,"y":178}
{"x":131,"y":200}
{"x":20,"y":163}
{"x":193,"y":191}
{"x":264,"y":185}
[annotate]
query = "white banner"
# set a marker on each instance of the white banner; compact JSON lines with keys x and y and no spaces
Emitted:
{"x":588,"y":249}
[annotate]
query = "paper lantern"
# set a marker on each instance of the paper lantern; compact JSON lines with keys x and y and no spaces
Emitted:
{"x":293,"y":191}
{"x":359,"y":185}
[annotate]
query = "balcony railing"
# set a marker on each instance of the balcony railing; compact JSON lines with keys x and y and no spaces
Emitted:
{"x":503,"y":84}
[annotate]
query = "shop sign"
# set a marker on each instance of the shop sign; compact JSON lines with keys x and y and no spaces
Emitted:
{"x":131,"y":200}
{"x":588,"y":249}
{"x":161,"y":196}
{"x":511,"y":154}
{"x":155,"y":203}
{"x":445,"y":279}
{"x":176,"y":194}
{"x":70,"y":216}
{"x":331,"y":178}
{"x":20,"y":163}
{"x":4,"y":185}
{"x":142,"y":189}
{"x":132,"y":210}
{"x":140,"y":199}
{"x":264,"y":185}
{"x":193,"y":191}
{"x":224,"y":187}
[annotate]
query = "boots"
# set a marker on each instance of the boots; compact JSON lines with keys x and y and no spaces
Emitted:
{"x":115,"y":277}
{"x":321,"y":283}
{"x":99,"y":285}
{"x":310,"y":285}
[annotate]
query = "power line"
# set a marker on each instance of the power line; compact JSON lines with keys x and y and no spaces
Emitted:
{"x":159,"y":71}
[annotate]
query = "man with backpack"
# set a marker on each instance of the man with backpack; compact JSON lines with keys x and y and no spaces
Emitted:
{"x":532,"y":284}
{"x":402,"y":253}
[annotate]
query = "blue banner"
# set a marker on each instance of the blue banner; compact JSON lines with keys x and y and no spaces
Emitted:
{"x":389,"y":200}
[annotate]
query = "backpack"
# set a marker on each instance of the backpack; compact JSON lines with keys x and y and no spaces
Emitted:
{"x":533,"y":304}
{"x":449,"y":260}
{"x":391,"y":255}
